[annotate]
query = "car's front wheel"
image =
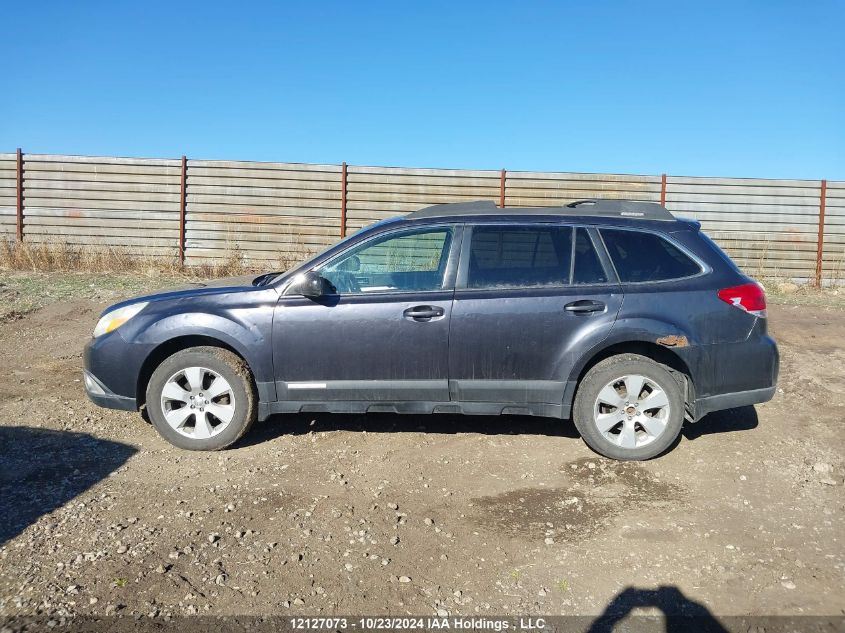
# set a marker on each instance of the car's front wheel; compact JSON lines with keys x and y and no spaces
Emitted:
{"x":629,"y":407}
{"x":202,"y":398}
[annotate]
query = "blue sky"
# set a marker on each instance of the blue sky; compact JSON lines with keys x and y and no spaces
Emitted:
{"x":690,"y":88}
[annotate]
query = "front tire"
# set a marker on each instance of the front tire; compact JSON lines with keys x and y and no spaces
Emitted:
{"x":202,"y":399}
{"x":629,"y":407}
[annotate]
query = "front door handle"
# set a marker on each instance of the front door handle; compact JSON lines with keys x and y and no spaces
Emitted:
{"x":584,"y":306}
{"x":423,"y":313}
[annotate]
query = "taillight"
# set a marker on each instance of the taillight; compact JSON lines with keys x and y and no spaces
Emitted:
{"x":748,"y":297}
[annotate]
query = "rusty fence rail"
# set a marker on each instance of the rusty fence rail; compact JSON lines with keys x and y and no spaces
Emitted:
{"x":200,"y":210}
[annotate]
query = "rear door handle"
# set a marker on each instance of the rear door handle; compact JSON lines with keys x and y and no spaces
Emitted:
{"x":423,"y":313}
{"x":584,"y":306}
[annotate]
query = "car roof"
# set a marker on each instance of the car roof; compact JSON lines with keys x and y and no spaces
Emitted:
{"x":593,"y":208}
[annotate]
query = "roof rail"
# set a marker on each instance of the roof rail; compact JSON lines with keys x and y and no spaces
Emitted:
{"x":628,"y":209}
{"x":622,"y":208}
{"x":456,"y":208}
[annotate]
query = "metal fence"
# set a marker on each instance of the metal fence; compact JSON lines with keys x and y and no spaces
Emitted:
{"x":201,"y":210}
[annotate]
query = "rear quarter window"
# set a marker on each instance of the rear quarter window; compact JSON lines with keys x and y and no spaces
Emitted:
{"x":717,"y":249}
{"x":640,"y":256}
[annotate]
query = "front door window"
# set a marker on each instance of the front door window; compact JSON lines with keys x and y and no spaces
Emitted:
{"x":411,"y":261}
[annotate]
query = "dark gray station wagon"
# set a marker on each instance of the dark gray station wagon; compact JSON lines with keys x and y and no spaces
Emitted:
{"x":612,"y":313}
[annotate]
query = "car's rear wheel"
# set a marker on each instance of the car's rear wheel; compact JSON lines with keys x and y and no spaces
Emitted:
{"x":629,"y":407}
{"x":202,"y":398}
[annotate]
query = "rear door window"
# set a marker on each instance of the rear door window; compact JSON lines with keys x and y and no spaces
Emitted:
{"x":519,"y":256}
{"x":588,"y":268}
{"x":640,"y":256}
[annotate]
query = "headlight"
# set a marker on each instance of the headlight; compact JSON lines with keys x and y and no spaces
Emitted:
{"x":114,"y":319}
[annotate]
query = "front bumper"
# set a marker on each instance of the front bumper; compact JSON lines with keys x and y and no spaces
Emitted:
{"x":111,"y":369}
{"x":100,"y":395}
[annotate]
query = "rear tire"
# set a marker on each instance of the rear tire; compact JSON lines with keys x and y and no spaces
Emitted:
{"x":629,"y":407}
{"x":202,"y":399}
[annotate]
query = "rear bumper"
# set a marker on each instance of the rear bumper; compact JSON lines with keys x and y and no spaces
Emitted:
{"x":739,"y":375}
{"x":703,"y":406}
{"x":100,"y":395}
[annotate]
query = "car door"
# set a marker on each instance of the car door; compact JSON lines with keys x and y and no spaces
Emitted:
{"x":381,"y":334}
{"x":528,"y":298}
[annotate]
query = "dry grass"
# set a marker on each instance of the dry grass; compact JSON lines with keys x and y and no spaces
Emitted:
{"x":788,"y":292}
{"x":58,"y":256}
{"x":34,"y":275}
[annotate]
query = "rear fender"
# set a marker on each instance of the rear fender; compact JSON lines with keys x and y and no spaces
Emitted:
{"x":681,"y":343}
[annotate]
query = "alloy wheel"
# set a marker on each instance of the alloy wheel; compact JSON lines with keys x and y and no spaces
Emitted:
{"x":198,"y":402}
{"x":631,"y":411}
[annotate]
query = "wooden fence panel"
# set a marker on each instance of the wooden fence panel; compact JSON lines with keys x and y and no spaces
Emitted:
{"x":542,"y":189}
{"x":833,"y":260}
{"x":768,"y":227}
{"x":376,"y":193}
{"x":125,"y":203}
{"x":8,"y":195}
{"x":273,"y":212}
{"x":278,"y":213}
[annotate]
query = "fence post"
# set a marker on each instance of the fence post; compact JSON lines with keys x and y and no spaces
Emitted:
{"x":19,"y":202}
{"x":663,"y":190}
{"x":343,"y":200}
{"x":820,"y":244}
{"x":502,"y":178}
{"x":183,"y":203}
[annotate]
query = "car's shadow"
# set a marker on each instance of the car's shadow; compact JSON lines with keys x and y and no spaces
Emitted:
{"x":727,"y":421}
{"x":450,"y":424}
{"x":741,"y":419}
{"x":41,"y":470}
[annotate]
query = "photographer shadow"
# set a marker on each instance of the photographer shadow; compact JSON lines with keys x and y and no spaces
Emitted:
{"x":679,"y":612}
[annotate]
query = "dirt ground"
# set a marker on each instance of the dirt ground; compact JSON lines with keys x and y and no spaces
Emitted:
{"x":327,"y":514}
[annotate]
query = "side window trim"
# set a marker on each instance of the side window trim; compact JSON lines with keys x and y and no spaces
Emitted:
{"x":451,"y":272}
{"x":704,"y":269}
{"x":604,"y":255}
{"x":463,"y":260}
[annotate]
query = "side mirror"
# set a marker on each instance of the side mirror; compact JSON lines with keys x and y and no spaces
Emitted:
{"x":313,"y":285}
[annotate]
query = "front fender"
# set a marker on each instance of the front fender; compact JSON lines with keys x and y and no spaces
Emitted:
{"x":249,"y":340}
